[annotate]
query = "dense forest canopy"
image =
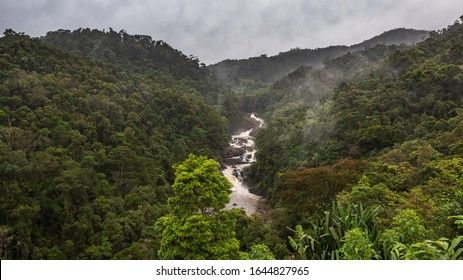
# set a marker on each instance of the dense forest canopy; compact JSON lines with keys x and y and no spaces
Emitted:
{"x":109,"y":146}
{"x":87,"y":145}
{"x":379,"y":128}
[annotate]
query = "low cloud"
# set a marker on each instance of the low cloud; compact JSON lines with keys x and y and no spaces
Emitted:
{"x":215,"y":30}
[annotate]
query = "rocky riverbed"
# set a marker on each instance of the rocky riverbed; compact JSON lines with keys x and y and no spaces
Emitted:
{"x":238,"y":157}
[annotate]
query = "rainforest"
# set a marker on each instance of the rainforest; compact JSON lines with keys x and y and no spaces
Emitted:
{"x":115,"y":146}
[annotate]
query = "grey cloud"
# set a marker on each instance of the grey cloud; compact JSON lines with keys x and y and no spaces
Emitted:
{"x":215,"y":30}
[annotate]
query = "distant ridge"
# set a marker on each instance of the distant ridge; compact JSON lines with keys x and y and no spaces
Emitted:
{"x":395,"y":37}
{"x":265,"y":69}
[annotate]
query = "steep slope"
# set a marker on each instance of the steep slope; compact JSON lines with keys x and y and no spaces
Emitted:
{"x":265,"y":69}
{"x":87,"y":148}
{"x":394,"y":132}
{"x":308,"y":87}
{"x":157,"y":59}
{"x":268,"y":69}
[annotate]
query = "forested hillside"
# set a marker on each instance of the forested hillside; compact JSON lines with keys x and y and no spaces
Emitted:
{"x":378,"y":129}
{"x":87,"y":145}
{"x":154,"y":59}
{"x":264,"y":70}
{"x":109,"y":146}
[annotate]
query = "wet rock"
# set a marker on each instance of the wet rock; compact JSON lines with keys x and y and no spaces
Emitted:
{"x":240,"y":141}
{"x":231,"y":161}
{"x":248,"y":122}
{"x":236,"y":160}
{"x":251,"y":147}
{"x":255,"y":190}
{"x":234,"y":152}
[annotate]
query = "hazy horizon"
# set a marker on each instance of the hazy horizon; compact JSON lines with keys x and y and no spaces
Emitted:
{"x":217,"y":30}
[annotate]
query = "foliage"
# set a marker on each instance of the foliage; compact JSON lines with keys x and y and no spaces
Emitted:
{"x":323,"y":237}
{"x":369,"y":195}
{"x":458,"y":221}
{"x":356,"y":246}
{"x":409,"y":226}
{"x":196,"y":236}
{"x":352,"y":233}
{"x":397,"y":109}
{"x":430,"y":250}
{"x":313,"y":188}
{"x":300,"y":242}
{"x":260,"y":252}
{"x":196,"y":228}
{"x":199,"y":187}
{"x":92,"y":123}
{"x":142,"y":54}
{"x":253,"y":230}
{"x":265,"y":69}
{"x":87,"y":145}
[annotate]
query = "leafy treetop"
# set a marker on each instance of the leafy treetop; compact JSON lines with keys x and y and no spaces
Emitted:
{"x":199,"y":186}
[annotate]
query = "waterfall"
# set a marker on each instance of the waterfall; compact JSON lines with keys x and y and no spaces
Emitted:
{"x":244,"y":149}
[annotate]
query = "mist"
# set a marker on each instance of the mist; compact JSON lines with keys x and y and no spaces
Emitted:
{"x":217,"y":30}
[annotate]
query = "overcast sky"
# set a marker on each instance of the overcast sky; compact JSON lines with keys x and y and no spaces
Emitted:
{"x":214,"y":30}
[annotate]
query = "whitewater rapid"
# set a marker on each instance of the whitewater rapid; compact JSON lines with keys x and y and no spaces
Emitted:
{"x":240,"y":196}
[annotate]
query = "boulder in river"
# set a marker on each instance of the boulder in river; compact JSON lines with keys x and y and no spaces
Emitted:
{"x":231,"y":161}
{"x":234,"y":152}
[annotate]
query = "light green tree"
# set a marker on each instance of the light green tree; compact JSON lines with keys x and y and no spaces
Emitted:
{"x":199,"y":187}
{"x":196,"y":227}
{"x":197,"y":237}
{"x":409,"y":226}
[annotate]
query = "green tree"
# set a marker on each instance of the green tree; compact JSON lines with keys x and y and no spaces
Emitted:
{"x":197,"y":237}
{"x":199,"y":187}
{"x":406,"y":228}
{"x":87,"y":144}
{"x":196,"y":228}
{"x":5,"y":241}
{"x":409,"y":226}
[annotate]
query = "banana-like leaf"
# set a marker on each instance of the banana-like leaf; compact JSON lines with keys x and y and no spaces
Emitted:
{"x":455,"y":242}
{"x":457,"y":254}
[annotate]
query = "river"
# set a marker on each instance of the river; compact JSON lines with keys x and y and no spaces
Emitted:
{"x":244,"y":149}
